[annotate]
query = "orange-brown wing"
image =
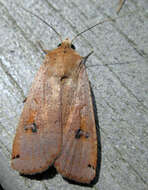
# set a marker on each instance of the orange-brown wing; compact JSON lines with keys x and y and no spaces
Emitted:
{"x":38,"y":137}
{"x":78,"y":159}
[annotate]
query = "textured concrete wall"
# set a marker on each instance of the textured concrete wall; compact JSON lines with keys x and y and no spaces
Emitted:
{"x":118,"y":71}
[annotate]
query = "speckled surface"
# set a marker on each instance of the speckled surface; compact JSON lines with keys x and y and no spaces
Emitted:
{"x":118,"y":71}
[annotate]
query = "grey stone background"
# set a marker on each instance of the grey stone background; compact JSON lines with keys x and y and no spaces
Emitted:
{"x":118,"y":71}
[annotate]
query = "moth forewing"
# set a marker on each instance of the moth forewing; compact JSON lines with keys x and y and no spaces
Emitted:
{"x":78,"y":159}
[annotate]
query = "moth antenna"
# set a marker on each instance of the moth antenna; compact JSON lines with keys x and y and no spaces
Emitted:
{"x":101,"y":22}
{"x":90,"y":28}
{"x":44,"y":22}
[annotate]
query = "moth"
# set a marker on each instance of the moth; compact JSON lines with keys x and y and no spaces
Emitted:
{"x":57,"y":125}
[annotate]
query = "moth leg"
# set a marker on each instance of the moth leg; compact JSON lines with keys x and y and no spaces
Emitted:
{"x":121,"y":2}
{"x":86,"y":57}
{"x":41,"y":47}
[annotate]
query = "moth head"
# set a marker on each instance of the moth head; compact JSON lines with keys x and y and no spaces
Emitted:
{"x":66,"y":44}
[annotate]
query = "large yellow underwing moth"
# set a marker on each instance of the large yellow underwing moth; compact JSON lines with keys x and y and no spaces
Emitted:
{"x":57,"y":125}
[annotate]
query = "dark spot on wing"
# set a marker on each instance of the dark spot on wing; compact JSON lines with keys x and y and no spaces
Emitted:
{"x":16,"y":156}
{"x":32,"y":127}
{"x":90,"y":166}
{"x":79,"y":134}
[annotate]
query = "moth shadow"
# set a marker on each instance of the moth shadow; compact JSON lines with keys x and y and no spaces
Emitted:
{"x":1,"y":188}
{"x":48,"y":174}
{"x":99,"y":155}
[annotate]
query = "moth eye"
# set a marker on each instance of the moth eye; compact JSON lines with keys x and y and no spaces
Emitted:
{"x":73,"y":47}
{"x":59,"y":45}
